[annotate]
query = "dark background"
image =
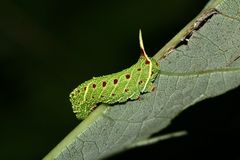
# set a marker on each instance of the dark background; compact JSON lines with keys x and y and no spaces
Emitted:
{"x":48,"y":47}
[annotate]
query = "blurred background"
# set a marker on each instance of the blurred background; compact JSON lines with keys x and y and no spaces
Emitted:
{"x":48,"y":47}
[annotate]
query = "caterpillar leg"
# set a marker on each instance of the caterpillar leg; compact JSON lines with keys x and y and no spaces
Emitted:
{"x":93,"y":107}
{"x":123,"y":99}
{"x":132,"y":96}
{"x":150,"y":87}
{"x":140,"y":98}
{"x":135,"y":95}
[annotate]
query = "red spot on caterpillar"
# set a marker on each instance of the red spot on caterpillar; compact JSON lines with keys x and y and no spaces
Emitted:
{"x":139,"y":69}
{"x":140,"y":82}
{"x":113,"y":94}
{"x":147,"y":62}
{"x":104,"y":83}
{"x":127,"y":76}
{"x":126,"y":90}
{"x":115,"y":81}
{"x":94,"y":85}
{"x":85,"y":88}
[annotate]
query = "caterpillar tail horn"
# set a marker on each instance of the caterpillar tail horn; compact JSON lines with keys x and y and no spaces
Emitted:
{"x":142,"y":53}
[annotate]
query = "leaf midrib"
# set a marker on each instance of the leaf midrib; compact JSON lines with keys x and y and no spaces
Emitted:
{"x":200,"y":72}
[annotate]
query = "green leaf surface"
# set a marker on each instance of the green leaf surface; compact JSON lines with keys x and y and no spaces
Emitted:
{"x":202,"y":61}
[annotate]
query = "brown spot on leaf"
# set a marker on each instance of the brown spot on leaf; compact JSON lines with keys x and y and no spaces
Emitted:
{"x":126,"y":90}
{"x":139,"y":69}
{"x":140,"y":82}
{"x":113,"y":94}
{"x":153,"y":89}
{"x":85,"y":88}
{"x":94,"y":85}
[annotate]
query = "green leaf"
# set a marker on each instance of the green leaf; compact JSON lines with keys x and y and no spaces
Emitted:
{"x":202,"y":61}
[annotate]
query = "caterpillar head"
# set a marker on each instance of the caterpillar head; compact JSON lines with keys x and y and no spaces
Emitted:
{"x":80,"y":108}
{"x":83,"y":112}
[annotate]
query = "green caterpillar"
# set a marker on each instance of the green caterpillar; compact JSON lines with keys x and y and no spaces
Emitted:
{"x":116,"y":87}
